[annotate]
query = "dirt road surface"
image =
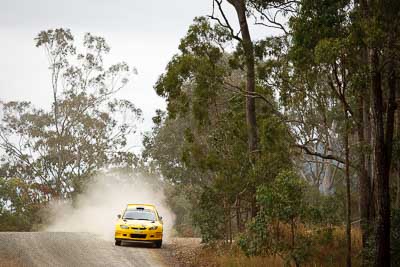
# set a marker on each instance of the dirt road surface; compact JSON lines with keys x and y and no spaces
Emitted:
{"x":73,"y":249}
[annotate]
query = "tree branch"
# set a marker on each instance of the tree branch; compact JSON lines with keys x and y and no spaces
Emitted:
{"x":320,"y":155}
{"x":227,"y":24}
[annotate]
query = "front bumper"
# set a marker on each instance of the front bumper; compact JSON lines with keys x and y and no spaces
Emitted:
{"x":138,"y":235}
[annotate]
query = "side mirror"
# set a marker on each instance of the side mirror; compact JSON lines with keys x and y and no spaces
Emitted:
{"x":119,"y":216}
{"x":160,"y":218}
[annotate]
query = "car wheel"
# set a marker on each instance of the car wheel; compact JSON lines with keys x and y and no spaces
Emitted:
{"x":158,"y":243}
{"x":118,"y":242}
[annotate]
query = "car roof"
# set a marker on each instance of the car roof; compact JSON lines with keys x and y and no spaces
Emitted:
{"x":149,"y":206}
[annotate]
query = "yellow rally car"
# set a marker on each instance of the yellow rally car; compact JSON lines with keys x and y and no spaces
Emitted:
{"x":139,"y":223}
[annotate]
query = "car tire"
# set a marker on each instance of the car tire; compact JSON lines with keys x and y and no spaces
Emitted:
{"x":118,"y":242}
{"x":158,"y":243}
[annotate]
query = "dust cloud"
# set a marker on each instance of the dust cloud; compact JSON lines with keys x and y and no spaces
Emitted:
{"x":96,"y":210}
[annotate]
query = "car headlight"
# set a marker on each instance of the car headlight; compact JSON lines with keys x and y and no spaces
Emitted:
{"x":124,"y":226}
{"x":153,"y":227}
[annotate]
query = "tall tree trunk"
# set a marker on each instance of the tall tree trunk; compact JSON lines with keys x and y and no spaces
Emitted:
{"x":238,"y":215}
{"x":364,"y":169}
{"x":397,"y":203}
{"x":382,"y":145}
{"x":369,"y":134}
{"x":54,"y":81}
{"x":390,"y":120}
{"x":348,"y":195}
{"x":369,"y":159}
{"x":247,"y":44}
{"x":364,"y":180}
{"x":385,"y":159}
{"x":230,"y":225}
{"x":382,"y":257}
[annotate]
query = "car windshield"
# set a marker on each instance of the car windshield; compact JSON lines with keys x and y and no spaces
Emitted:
{"x":139,"y":215}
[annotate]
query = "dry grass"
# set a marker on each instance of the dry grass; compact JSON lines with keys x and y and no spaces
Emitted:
{"x":333,"y":253}
{"x":329,"y":251}
{"x":242,"y":260}
{"x":226,"y":255}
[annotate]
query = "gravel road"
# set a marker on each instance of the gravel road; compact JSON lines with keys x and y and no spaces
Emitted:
{"x":72,"y":249}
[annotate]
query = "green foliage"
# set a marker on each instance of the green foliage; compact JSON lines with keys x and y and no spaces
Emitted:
{"x":324,"y":209}
{"x":328,"y":50}
{"x":288,"y":206}
{"x":199,"y":66}
{"x":284,"y":198}
{"x":257,"y":239}
{"x":201,"y":143}
{"x":209,"y":215}
{"x":281,"y":202}
{"x":19,"y":204}
{"x":178,"y":199}
{"x":316,"y":20}
{"x":309,"y":83}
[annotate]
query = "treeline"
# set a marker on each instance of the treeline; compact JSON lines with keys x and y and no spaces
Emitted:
{"x":276,"y":142}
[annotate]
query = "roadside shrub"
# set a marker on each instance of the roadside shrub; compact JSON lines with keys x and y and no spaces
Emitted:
{"x":256,"y":239}
{"x":209,"y":216}
{"x":275,"y":229}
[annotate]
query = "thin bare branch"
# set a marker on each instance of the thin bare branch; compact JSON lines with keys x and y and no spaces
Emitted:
{"x":226,"y":23}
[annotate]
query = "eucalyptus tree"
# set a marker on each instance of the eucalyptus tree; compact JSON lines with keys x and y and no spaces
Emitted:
{"x":203,"y":89}
{"x":54,"y":152}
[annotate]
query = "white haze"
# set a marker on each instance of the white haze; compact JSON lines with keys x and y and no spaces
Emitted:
{"x":96,"y":210}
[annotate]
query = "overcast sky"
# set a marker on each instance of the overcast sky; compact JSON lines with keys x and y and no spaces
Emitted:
{"x":145,"y":34}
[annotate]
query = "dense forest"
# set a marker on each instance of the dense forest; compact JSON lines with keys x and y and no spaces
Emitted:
{"x":286,"y":145}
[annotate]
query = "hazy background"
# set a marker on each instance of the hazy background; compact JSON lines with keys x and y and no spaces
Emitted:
{"x":145,"y":34}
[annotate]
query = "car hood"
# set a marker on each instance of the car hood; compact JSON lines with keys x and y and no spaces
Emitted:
{"x":138,"y":223}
